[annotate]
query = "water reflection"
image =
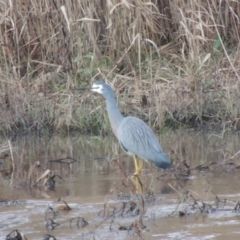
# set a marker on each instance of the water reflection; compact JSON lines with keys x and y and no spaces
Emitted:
{"x":94,"y":154}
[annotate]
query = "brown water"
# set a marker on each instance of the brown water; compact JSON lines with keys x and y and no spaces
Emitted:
{"x":94,"y":181}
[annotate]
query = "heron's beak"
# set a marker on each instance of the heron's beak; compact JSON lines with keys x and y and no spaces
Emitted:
{"x":87,"y":88}
{"x":84,"y":88}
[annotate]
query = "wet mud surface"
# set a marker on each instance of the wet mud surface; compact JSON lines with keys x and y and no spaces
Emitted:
{"x":92,"y":198}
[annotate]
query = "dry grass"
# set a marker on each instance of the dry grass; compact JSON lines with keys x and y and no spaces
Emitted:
{"x":170,"y":62}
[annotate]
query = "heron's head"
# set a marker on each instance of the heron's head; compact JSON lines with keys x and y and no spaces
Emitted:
{"x":98,"y":87}
{"x":102,"y":88}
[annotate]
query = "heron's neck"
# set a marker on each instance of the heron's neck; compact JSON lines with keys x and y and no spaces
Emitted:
{"x":114,"y":114}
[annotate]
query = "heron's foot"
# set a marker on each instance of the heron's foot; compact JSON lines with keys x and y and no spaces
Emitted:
{"x":137,"y":183}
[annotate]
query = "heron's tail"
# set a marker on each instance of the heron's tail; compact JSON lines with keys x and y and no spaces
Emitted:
{"x":162,"y":161}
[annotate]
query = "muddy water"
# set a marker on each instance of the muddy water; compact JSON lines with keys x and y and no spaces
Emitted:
{"x":94,"y":182}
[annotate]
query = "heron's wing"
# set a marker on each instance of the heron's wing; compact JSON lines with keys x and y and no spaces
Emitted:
{"x":138,"y":138}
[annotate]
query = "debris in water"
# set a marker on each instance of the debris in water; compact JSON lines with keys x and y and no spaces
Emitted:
{"x":50,"y":224}
{"x":80,"y":221}
{"x":48,"y":237}
{"x":16,"y":235}
{"x":64,"y":207}
{"x":67,"y":160}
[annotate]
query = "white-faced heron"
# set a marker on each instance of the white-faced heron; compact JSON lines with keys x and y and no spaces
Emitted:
{"x":135,"y":136}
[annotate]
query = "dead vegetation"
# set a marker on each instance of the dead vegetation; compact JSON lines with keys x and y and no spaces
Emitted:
{"x":170,"y":62}
{"x":16,"y":235}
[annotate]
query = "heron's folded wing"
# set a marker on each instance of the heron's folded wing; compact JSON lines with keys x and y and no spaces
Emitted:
{"x":138,"y":138}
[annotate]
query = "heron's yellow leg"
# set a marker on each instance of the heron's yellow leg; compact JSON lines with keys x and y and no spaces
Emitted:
{"x":138,"y":165}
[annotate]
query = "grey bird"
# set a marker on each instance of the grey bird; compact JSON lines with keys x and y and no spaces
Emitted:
{"x":135,"y":137}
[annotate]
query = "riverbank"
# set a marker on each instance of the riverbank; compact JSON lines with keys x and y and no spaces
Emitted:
{"x":171,"y":65}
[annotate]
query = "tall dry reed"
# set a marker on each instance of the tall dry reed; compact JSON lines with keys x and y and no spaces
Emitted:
{"x":169,"y":61}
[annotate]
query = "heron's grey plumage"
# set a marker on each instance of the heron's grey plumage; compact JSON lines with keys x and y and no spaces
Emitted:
{"x":138,"y":138}
{"x":134,"y":135}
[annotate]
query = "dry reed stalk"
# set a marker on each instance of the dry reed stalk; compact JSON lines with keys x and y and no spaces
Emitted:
{"x":13,"y":163}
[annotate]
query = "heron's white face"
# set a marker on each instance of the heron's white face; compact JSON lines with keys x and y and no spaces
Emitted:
{"x":97,"y":88}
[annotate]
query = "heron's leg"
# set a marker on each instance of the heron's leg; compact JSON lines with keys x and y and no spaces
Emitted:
{"x":138,"y":165}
